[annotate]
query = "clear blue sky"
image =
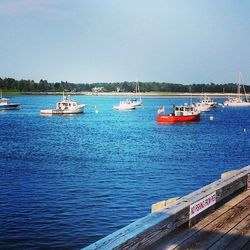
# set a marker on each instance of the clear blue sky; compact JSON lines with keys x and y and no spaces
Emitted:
{"x":182,"y":41}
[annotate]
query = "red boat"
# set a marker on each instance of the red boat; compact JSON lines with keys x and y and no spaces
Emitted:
{"x":179,"y":114}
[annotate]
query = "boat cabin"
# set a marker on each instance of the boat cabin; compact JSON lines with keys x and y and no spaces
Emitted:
{"x":208,"y":101}
{"x":184,"y":110}
{"x":66,"y":103}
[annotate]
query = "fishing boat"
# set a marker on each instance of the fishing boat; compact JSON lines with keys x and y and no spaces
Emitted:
{"x":239,"y":100}
{"x":65,"y":106}
{"x":125,"y":105}
{"x":208,"y":101}
{"x":201,"y":107}
{"x":5,"y":105}
{"x":181,"y":113}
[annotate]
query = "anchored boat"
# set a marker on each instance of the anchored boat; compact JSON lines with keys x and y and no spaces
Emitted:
{"x":180,"y":114}
{"x":65,"y":106}
{"x":201,"y":107}
{"x":125,"y":105}
{"x":208,"y":101}
{"x":136,"y":100}
{"x":5,"y":105}
{"x":238,"y":101}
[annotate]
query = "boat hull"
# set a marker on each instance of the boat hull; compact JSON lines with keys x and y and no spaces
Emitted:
{"x":173,"y":119}
{"x":123,"y":108}
{"x":10,"y":106}
{"x":136,"y":104}
{"x":240,"y":104}
{"x":61,"y":112}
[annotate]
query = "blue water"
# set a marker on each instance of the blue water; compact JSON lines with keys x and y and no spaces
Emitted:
{"x":67,"y":181}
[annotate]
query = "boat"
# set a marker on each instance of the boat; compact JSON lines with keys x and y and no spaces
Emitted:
{"x":208,"y":101}
{"x":125,"y":105}
{"x":201,"y":107}
{"x":131,"y":103}
{"x":183,"y":113}
{"x":65,"y":106}
{"x":136,"y":101}
{"x":238,"y":101}
{"x":5,"y":105}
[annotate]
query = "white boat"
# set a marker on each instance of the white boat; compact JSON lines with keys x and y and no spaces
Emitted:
{"x":201,"y":107}
{"x":238,"y":101}
{"x":208,"y":101}
{"x":5,"y":105}
{"x":125,"y":105}
{"x":65,"y":106}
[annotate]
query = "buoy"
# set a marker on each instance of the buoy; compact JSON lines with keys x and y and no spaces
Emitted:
{"x":96,"y":111}
{"x":244,"y":130}
{"x":211,"y":118}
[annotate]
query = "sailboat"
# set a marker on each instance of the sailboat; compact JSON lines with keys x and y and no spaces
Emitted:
{"x":131,"y":103}
{"x":136,"y":101}
{"x":238,"y":101}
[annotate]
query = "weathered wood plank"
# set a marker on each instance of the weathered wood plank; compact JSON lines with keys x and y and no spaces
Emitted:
{"x":218,"y":228}
{"x":236,"y":238}
{"x":179,"y":236}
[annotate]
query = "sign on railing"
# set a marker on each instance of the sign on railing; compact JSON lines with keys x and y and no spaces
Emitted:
{"x":202,"y":205}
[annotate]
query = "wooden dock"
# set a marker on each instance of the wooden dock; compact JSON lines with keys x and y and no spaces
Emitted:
{"x":216,"y":216}
{"x":228,"y":227}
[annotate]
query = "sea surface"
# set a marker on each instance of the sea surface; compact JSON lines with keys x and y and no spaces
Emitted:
{"x":67,"y":181}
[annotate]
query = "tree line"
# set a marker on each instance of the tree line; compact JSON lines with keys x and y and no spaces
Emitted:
{"x":10,"y":84}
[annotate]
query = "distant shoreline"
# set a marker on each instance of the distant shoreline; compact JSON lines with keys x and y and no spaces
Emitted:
{"x":124,"y":94}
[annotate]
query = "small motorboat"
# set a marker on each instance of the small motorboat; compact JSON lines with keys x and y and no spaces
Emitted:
{"x":180,"y":114}
{"x":201,"y":107}
{"x":65,"y":106}
{"x":5,"y":105}
{"x":208,"y":101}
{"x":125,"y":105}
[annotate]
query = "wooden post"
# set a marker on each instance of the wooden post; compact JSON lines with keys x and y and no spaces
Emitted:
{"x":163,"y":204}
{"x":228,"y":174}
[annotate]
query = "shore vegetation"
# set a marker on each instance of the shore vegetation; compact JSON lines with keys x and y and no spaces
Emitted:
{"x":10,"y":85}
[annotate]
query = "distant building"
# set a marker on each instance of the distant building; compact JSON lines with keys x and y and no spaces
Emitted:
{"x":98,"y":89}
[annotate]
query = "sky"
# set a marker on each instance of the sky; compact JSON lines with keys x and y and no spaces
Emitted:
{"x":86,"y":41}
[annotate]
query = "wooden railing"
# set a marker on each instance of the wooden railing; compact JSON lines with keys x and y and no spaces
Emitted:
{"x":186,"y":210}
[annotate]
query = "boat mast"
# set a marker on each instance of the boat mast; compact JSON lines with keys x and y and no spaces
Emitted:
{"x":191,"y":97}
{"x":242,"y":83}
{"x":138,"y":89}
